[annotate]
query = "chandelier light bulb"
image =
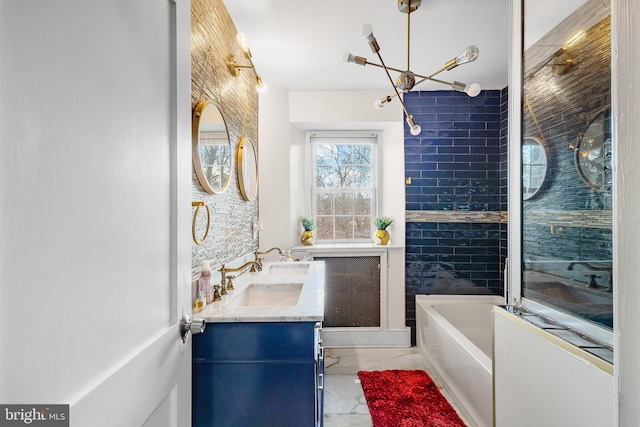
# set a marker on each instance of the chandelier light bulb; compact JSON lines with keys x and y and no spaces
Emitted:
{"x":367,"y":32}
{"x":350,"y":57}
{"x":470,"y":54}
{"x":379,"y":103}
{"x":414,"y":128}
{"x":473,"y":90}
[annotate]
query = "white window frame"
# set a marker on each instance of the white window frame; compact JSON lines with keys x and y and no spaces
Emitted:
{"x":310,"y":193}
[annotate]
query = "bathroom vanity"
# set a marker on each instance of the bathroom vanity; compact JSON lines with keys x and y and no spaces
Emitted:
{"x":260,"y":358}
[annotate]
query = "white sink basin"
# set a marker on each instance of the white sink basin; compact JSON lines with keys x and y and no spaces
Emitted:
{"x":270,"y":295}
{"x":289,"y":268}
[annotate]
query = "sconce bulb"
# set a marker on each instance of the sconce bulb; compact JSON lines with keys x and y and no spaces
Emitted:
{"x":259,"y":84}
{"x":367,"y":32}
{"x":243,"y":42}
{"x":574,"y":39}
{"x":473,"y":90}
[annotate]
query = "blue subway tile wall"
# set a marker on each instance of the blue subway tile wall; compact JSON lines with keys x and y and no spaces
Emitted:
{"x":504,"y":171}
{"x":457,"y":163}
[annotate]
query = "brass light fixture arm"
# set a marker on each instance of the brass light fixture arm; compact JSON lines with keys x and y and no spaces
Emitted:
{"x":408,"y":39}
{"x":423,"y":78}
{"x":404,"y":108}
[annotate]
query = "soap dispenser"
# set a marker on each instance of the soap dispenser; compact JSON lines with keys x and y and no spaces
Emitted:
{"x":204,"y":282}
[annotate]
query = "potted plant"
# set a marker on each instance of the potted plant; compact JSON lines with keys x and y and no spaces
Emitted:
{"x":382,"y":235}
{"x":308,"y":237}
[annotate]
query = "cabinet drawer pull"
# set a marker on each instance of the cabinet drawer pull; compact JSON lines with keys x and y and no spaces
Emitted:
{"x":321,"y":354}
{"x":320,"y":381}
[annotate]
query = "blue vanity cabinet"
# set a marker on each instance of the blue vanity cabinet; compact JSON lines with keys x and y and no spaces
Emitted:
{"x":258,"y":374}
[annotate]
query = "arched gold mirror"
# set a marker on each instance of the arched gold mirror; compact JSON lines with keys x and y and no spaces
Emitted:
{"x":211,"y":148}
{"x":248,"y":168}
{"x":534,"y":166}
{"x":593,"y":153}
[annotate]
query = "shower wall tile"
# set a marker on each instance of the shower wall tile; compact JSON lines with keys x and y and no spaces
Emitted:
{"x":457,"y":165}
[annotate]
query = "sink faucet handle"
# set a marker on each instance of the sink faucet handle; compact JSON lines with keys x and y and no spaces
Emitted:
{"x":216,"y":293}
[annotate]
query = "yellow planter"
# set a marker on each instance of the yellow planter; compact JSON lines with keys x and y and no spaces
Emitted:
{"x":381,"y":237}
{"x":308,"y":238}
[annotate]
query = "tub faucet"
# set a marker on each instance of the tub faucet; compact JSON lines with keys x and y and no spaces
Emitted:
{"x":259,"y":260}
{"x":228,"y":284}
{"x":592,"y":283}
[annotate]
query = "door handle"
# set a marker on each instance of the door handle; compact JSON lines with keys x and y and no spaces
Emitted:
{"x":191,"y":326}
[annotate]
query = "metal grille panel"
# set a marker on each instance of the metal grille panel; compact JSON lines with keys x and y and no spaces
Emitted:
{"x":352,"y":291}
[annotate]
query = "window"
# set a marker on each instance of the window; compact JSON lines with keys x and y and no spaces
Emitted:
{"x":343,"y":183}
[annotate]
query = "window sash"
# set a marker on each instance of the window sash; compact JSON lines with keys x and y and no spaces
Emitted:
{"x":358,"y":224}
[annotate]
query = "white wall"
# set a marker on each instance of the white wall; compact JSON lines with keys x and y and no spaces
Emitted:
{"x":283,"y":123}
{"x":273,"y":169}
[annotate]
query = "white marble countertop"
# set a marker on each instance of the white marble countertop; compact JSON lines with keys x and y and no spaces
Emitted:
{"x":310,"y":306}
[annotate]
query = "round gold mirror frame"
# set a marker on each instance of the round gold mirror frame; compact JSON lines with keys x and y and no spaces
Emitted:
{"x":211,"y":148}
{"x":593,"y":153}
{"x":247,"y":169}
{"x":534,"y":166}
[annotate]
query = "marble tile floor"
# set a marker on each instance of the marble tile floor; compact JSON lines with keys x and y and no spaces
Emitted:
{"x":344,"y":402}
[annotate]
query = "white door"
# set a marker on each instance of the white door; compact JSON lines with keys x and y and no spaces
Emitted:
{"x":95,"y":184}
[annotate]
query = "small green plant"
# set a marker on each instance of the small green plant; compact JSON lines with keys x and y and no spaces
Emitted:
{"x":382,"y":222}
{"x":308,"y":223}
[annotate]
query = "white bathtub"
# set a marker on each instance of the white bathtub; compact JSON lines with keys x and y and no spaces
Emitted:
{"x":455,"y":336}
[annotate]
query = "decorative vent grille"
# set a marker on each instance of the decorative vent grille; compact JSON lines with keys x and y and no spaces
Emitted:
{"x":352,"y":291}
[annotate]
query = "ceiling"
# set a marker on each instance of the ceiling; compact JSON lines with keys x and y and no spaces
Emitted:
{"x":297,"y":45}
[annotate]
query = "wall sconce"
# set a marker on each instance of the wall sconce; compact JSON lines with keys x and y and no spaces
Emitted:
{"x":563,"y":60}
{"x":235,"y":68}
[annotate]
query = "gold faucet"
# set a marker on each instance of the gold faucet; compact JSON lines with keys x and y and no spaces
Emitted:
{"x":227,"y":284}
{"x":259,"y":260}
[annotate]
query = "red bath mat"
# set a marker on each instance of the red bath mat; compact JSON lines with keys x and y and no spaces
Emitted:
{"x":398,"y":398}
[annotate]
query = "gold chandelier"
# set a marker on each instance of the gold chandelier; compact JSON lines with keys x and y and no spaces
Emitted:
{"x":407,"y":78}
